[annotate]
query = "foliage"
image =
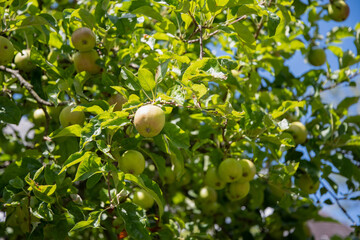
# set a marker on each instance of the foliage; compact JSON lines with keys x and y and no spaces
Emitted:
{"x":65,"y":183}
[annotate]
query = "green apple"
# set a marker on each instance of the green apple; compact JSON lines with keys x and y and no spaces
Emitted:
{"x":132,"y":162}
{"x":169,"y":176}
{"x":23,"y":62}
{"x":230,"y":170}
{"x":317,"y":56}
{"x":117,"y":99}
{"x":149,"y":120}
{"x":9,"y":147}
{"x":39,"y":117}
{"x":67,"y":117}
{"x":299,"y":132}
{"x":210,"y":208}
{"x":338,"y":10}
{"x":143,"y":199}
{"x":6,"y":51}
{"x":306,"y":184}
{"x":207,"y":195}
{"x":213,"y":180}
{"x":83,"y":39}
{"x":86,"y":61}
{"x":237,"y":190}
{"x":248,"y":170}
{"x":185,"y":178}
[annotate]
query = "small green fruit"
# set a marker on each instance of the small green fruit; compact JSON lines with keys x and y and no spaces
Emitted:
{"x":23,"y":61}
{"x":210,"y":208}
{"x":185,"y":178}
{"x":9,"y":147}
{"x":6,"y":51}
{"x":143,"y":199}
{"x":213,"y":180}
{"x":299,"y":132}
{"x":237,"y":190}
{"x":317,"y":56}
{"x":132,"y":162}
{"x":117,"y":99}
{"x":207,"y":195}
{"x":230,"y":170}
{"x":169,"y":176}
{"x":248,"y":170}
{"x":338,"y":10}
{"x":306,"y":184}
{"x":83,"y":39}
{"x":67,"y":117}
{"x":149,"y":120}
{"x":39,"y":117}
{"x":86,"y":61}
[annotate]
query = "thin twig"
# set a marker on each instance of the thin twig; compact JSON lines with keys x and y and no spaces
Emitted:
{"x":261,"y":24}
{"x":201,"y":42}
{"x":338,"y":203}
{"x":217,"y":31}
{"x":28,"y":86}
{"x":108,"y":184}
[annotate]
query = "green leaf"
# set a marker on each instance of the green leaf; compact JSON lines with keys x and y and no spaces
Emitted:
{"x":133,"y":221}
{"x":244,"y":34}
{"x":88,"y":167}
{"x":273,"y":23}
{"x":17,"y":183}
{"x":84,"y":15}
{"x":148,"y":11}
{"x":159,"y":162}
{"x":146,"y":79}
{"x":93,"y":221}
{"x":75,"y":159}
{"x":70,"y":131}
{"x":44,"y":211}
{"x":151,"y":187}
{"x":286,"y":106}
{"x":42,"y":192}
{"x":176,"y":135}
{"x":9,"y":112}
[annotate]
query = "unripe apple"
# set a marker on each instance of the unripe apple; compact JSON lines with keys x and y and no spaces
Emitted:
{"x":207,"y":195}
{"x":169,"y":176}
{"x":317,"y":56}
{"x":9,"y":147}
{"x":230,"y":170}
{"x":338,"y":10}
{"x":149,"y":120}
{"x":306,"y":184}
{"x":23,"y":62}
{"x":210,"y":208}
{"x":299,"y":132}
{"x":185,"y":178}
{"x":248,"y":170}
{"x":132,"y":162}
{"x":39,"y":117}
{"x":83,"y":39}
{"x":237,"y":190}
{"x":143,"y":199}
{"x":213,"y":180}
{"x":86,"y":61}
{"x":67,"y":117}
{"x":117,"y":99}
{"x":6,"y":51}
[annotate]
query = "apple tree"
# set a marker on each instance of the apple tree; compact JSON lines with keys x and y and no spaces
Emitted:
{"x":173,"y":119}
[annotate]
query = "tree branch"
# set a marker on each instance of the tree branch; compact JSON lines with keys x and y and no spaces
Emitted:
{"x":261,"y":24}
{"x":201,"y":43}
{"x":217,"y":31}
{"x":338,"y":203}
{"x":29,"y":87}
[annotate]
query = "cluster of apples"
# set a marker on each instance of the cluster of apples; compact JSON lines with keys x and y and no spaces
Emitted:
{"x":232,"y":174}
{"x":338,"y":10}
{"x":84,"y":40}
